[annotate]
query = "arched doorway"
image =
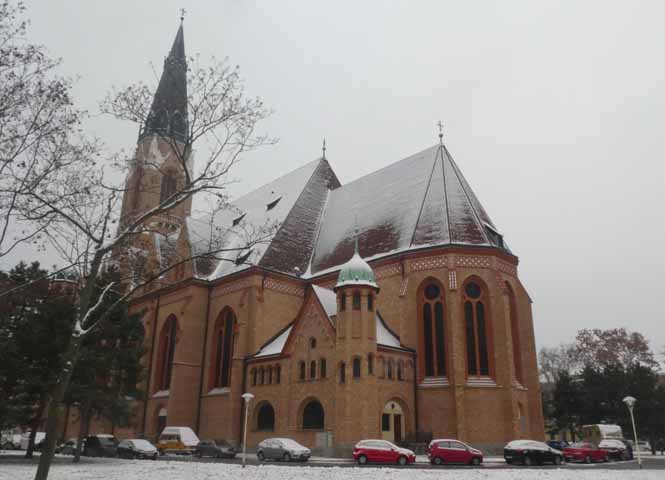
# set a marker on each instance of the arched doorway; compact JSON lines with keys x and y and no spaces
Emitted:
{"x":313,"y":417}
{"x":393,"y":422}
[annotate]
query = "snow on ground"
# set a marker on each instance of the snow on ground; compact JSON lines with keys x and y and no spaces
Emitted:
{"x":163,"y":470}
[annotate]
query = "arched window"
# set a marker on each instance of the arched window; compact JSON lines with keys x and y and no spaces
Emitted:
{"x":312,"y":343}
{"x":253,"y":376}
{"x":370,"y":302}
{"x":167,"y":352}
{"x":265,"y":418}
{"x":400,"y":370}
{"x":169,"y":186}
{"x":515,"y":334}
{"x":278,"y":374}
{"x":262,"y":376}
{"x":222,"y":349}
{"x":322,"y":368}
{"x":302,"y":370}
{"x":342,"y":302}
{"x":356,"y":300}
{"x":370,"y":364}
{"x":432,"y":330}
{"x":178,"y":126}
{"x":312,"y":370}
{"x":356,"y":368}
{"x":475,"y":319}
{"x":313,"y":416}
{"x":391,"y":368}
{"x":162,"y":121}
{"x":342,"y":372}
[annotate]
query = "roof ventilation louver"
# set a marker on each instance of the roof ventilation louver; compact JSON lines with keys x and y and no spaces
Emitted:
{"x":272,"y":204}
{"x":237,"y":220}
{"x":243,"y":258}
{"x":495,"y":237}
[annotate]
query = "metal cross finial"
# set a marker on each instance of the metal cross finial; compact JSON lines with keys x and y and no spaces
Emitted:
{"x":182,"y":14}
{"x":323,"y":149}
{"x":440,"y":125}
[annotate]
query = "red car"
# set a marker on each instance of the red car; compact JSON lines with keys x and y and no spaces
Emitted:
{"x":442,"y":451}
{"x":585,"y":452}
{"x":381,"y":451}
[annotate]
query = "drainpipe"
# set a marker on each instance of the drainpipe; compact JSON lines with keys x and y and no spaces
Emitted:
{"x":152,"y":353}
{"x":243,"y":406}
{"x":203,"y":356}
{"x":415,"y":392}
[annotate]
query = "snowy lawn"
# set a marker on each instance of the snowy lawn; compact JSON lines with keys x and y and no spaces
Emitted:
{"x":162,"y":470}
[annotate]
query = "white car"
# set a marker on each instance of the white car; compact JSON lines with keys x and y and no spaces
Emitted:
{"x":25,"y":439}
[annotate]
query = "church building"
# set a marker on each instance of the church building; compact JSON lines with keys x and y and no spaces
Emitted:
{"x":388,"y":307}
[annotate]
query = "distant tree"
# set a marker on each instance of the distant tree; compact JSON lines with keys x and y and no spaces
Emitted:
{"x":556,"y":361}
{"x":600,"y":348}
{"x":566,"y":403}
{"x":34,"y":329}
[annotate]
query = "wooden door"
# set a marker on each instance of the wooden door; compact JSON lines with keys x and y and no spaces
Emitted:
{"x":397,"y":420}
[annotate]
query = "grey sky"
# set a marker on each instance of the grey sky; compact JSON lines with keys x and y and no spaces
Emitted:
{"x":554,"y":111}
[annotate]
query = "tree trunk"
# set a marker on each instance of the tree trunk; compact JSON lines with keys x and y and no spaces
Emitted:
{"x":84,"y":428}
{"x":56,"y":407}
{"x":31,"y":439}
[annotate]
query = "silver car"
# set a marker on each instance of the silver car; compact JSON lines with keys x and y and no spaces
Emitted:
{"x":282,"y":449}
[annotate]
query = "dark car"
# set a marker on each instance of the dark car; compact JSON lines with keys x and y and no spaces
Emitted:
{"x":557,"y":444}
{"x":137,"y":448}
{"x":67,"y":448}
{"x":616,"y":449}
{"x":214,"y":448}
{"x":101,"y":445}
{"x":282,"y":449}
{"x":531,"y":452}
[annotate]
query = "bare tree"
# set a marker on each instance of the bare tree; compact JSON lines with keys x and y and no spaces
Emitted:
{"x":39,"y":126}
{"x":553,"y":361}
{"x":78,"y":210}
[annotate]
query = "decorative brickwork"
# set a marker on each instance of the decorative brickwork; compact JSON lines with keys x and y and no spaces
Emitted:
{"x":284,"y":287}
{"x":477,"y":262}
{"x":429,"y":263}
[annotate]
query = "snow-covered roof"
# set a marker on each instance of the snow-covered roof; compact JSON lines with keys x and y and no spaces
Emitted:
{"x":328,"y":300}
{"x":293,"y":203}
{"x":276,"y":345}
{"x":384,"y":336}
{"x":420,"y":201}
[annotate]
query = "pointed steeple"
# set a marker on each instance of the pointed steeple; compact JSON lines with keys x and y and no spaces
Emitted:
{"x":168,"y":113}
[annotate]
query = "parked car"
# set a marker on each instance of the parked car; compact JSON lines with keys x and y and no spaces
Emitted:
{"x":644,"y":446}
{"x":25,"y":440}
{"x":67,"y":448}
{"x":557,"y":444}
{"x":10,"y":441}
{"x":585,"y":452}
{"x":616,"y":449}
{"x":381,"y":451}
{"x":531,"y":452}
{"x":444,"y":450}
{"x":282,"y":449}
{"x":178,"y":440}
{"x":137,"y":448}
{"x":214,"y":448}
{"x":100,"y":445}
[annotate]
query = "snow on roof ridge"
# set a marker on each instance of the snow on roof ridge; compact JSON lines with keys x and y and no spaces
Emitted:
{"x":327,"y":298}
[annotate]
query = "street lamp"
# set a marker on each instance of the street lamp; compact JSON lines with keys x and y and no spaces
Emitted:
{"x":630,"y":403}
{"x":247,"y":397}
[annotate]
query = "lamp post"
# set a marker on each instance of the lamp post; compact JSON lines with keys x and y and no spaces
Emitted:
{"x":247,"y":397}
{"x":630,"y":403}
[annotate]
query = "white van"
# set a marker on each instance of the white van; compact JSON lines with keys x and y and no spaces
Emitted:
{"x":178,"y":440}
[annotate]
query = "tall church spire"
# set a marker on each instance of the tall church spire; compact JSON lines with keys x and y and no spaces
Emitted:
{"x":168,"y":113}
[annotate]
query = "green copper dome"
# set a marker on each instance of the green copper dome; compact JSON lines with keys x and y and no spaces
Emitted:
{"x":356,"y":272}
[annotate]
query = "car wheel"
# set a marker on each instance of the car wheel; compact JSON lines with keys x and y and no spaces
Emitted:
{"x":260,"y":456}
{"x":509,"y":462}
{"x":475,"y":461}
{"x":199,"y":454}
{"x":401,"y":460}
{"x":557,"y":460}
{"x":606,"y":459}
{"x":362,"y":460}
{"x":437,"y":461}
{"x":528,"y":461}
{"x":587,"y":459}
{"x":286,"y":457}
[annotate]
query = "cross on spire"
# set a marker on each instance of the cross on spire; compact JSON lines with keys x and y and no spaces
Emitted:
{"x":323,"y":148}
{"x":182,"y":14}
{"x":440,"y":125}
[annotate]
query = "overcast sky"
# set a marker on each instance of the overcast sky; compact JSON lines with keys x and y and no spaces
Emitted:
{"x":554,"y":111}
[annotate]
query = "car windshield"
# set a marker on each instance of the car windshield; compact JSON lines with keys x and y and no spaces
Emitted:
{"x":108,"y":441}
{"x":222,"y":443}
{"x":143,"y":444}
{"x":580,"y":445}
{"x":288,"y":443}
